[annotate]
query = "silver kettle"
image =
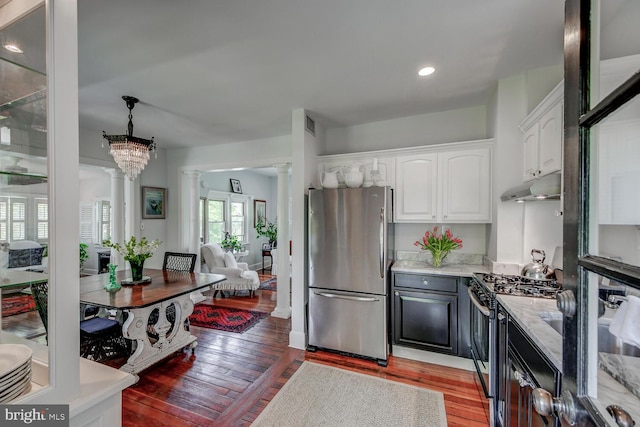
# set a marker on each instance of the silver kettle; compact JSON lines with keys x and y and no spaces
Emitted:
{"x":537,"y":269}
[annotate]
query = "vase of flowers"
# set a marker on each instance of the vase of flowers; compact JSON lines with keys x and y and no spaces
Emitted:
{"x":439,"y":244}
{"x":136,"y":252}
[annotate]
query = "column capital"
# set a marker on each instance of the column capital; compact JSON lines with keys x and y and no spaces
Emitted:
{"x":192,"y":173}
{"x":115,"y":173}
{"x":283,"y":167}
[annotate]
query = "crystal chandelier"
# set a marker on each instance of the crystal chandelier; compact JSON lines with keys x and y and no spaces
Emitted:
{"x":130,"y":152}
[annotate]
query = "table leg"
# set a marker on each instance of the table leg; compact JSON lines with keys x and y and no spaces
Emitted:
{"x":148,"y":353}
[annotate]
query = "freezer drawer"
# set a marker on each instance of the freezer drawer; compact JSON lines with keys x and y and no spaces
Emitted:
{"x":349,"y":322}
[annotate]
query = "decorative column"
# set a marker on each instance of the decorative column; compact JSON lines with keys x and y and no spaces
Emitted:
{"x":192,"y":179}
{"x":283,"y":307}
{"x":117,"y":214}
{"x":193,"y":215}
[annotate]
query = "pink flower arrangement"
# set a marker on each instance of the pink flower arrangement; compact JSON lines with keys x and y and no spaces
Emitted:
{"x":439,"y":245}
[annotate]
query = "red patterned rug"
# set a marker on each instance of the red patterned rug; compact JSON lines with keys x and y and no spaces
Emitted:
{"x":225,"y":318}
{"x":269,"y":285}
{"x":17,"y":304}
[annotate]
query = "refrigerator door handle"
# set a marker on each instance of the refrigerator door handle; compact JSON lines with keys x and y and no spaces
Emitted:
{"x":328,"y":295}
{"x":382,"y":243}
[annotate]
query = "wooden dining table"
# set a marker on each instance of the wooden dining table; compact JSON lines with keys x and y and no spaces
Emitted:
{"x":137,"y":302}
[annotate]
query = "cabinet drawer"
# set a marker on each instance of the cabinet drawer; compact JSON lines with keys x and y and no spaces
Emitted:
{"x":428,"y":282}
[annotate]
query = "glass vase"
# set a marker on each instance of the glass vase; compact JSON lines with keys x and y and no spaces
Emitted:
{"x":136,"y":270}
{"x":438,"y":258}
{"x":112,"y":285}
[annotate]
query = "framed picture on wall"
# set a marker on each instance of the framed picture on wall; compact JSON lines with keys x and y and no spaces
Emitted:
{"x":154,"y":203}
{"x":259,"y":211}
{"x":235,"y":185}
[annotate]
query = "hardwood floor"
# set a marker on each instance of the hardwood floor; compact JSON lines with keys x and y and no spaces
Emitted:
{"x":232,"y":377}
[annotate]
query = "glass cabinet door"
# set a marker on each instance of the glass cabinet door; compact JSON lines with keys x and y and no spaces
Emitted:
{"x":38,"y":179}
{"x":601,"y":370}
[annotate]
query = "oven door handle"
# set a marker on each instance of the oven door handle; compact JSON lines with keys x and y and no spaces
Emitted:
{"x":483,"y":309}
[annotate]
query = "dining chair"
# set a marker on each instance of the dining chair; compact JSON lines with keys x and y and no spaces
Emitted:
{"x":178,"y":261}
{"x":173,"y":261}
{"x":100,"y":338}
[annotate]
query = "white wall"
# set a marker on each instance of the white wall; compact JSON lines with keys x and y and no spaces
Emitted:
{"x":436,"y":128}
{"x":516,"y":226}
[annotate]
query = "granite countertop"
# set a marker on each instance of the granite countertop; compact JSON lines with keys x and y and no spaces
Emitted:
{"x":529,"y":313}
{"x":419,"y":267}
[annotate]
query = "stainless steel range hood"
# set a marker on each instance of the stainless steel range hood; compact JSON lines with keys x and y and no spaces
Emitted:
{"x":545,"y":188}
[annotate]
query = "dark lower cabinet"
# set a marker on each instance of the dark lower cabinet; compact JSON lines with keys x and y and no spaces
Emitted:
{"x":428,"y":321}
{"x":521,"y":369}
{"x":431,"y":312}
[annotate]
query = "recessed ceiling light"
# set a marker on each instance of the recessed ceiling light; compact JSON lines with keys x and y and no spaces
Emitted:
{"x":12,"y":48}
{"x":426,"y":71}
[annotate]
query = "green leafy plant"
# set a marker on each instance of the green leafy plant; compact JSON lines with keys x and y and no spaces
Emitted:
{"x":268,"y":230}
{"x":439,"y":244}
{"x":231,"y":243}
{"x":83,"y":253}
{"x":135,"y":250}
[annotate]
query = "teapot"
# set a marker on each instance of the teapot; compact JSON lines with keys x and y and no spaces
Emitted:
{"x":329,"y":179}
{"x":353,"y":176}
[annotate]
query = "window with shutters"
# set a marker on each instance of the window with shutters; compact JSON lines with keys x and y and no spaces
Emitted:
{"x":18,"y":215}
{"x":24,"y":218}
{"x":42,"y":220}
{"x":224,"y":213}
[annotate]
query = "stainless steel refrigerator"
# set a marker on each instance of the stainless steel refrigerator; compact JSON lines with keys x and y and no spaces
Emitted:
{"x":350,"y":252}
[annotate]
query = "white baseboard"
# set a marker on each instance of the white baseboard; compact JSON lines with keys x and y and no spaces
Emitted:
{"x":435,"y":358}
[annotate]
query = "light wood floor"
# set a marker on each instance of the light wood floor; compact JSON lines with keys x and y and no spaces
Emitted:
{"x":232,"y":377}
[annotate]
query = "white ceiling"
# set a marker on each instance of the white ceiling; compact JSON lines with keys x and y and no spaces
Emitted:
{"x":213,"y":71}
{"x":210,"y":72}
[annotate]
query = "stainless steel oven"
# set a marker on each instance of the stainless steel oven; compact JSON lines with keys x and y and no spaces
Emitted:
{"x":483,"y":334}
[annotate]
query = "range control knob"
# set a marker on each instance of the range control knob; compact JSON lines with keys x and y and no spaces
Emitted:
{"x":622,"y":417}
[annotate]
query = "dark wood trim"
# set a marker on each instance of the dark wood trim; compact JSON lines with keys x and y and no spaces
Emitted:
{"x":616,"y":99}
{"x":614,"y":270}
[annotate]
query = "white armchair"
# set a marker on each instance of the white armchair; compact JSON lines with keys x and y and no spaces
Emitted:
{"x":239,"y":277}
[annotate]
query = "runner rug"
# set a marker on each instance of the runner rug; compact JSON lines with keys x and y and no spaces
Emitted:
{"x":319,"y":395}
{"x":269,"y":285}
{"x":17,"y":304}
{"x":225,"y":318}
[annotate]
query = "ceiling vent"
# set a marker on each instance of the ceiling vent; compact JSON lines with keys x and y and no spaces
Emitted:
{"x":310,"y":125}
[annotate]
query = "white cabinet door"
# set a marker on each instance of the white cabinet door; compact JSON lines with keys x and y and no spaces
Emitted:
{"x":416,"y":188}
{"x":550,"y":141}
{"x":466,"y":185}
{"x":530,"y":153}
{"x":543,"y":128}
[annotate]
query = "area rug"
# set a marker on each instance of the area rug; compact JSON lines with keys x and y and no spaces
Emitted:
{"x":319,"y":395}
{"x":225,"y":318}
{"x":17,"y":304}
{"x":269,"y":285}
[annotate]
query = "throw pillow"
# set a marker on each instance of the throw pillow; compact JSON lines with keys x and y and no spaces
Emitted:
{"x":25,"y":257}
{"x":229,"y":260}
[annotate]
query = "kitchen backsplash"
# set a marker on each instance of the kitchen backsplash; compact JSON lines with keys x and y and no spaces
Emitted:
{"x":452,"y":258}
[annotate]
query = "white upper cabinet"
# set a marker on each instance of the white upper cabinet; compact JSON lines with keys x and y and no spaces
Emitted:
{"x":543,"y":136}
{"x":435,"y":183}
{"x":416,"y":187}
{"x":466,"y":185}
{"x":445,"y":186}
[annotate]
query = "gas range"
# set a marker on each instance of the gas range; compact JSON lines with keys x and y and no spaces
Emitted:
{"x":518,"y":285}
